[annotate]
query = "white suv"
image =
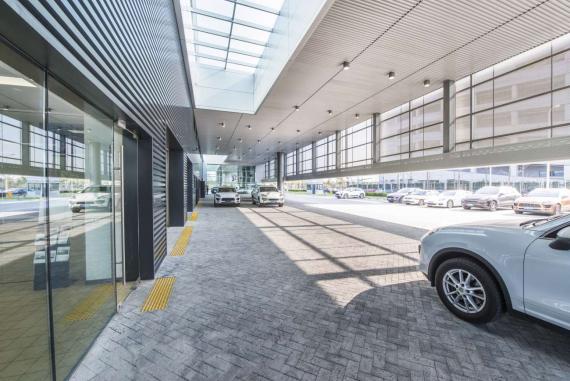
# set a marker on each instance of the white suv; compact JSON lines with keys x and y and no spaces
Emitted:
{"x":350,"y":193}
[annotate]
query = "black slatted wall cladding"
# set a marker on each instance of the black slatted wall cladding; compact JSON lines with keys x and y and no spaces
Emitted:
{"x":133,"y":49}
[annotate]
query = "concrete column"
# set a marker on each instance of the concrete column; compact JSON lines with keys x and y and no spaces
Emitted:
{"x":297,"y":163}
{"x":313,"y":157}
{"x":338,"y":150}
{"x":25,"y":145}
{"x":375,"y":142}
{"x":280,"y":169}
{"x":93,"y":162}
{"x":448,"y":115}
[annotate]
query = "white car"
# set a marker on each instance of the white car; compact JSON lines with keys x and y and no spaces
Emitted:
{"x":481,"y":270}
{"x":447,"y":199}
{"x":267,"y":195}
{"x":227,"y":196}
{"x":418,"y":197}
{"x":350,"y":193}
{"x":92,"y":197}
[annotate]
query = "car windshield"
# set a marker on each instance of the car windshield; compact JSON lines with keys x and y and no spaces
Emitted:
{"x":488,"y":190}
{"x":448,"y":193}
{"x":96,"y":189}
{"x":541,"y":192}
{"x":226,"y":190}
{"x":267,"y":189}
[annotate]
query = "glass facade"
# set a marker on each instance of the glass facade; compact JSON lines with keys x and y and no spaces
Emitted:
{"x":57,"y":222}
{"x":413,"y":129}
{"x":291,"y":160}
{"x":522,"y":99}
{"x":356,"y":145}
{"x":306,"y":159}
{"x":325,"y":155}
{"x":241,"y":176}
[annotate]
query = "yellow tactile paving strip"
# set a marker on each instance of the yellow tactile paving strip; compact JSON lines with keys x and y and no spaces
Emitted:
{"x":159,"y":295}
{"x":194,"y":216}
{"x":180,"y":247}
{"x":85,"y":309}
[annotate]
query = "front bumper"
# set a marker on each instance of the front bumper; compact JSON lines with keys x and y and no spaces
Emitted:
{"x":271,"y":201}
{"x":534,"y":208}
{"x":227,"y":201}
{"x":476,"y":204}
{"x":438,"y":203}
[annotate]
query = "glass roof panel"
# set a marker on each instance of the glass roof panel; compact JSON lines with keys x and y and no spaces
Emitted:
{"x":240,"y":68}
{"x":255,"y":16}
{"x":212,"y":39}
{"x":209,"y":62}
{"x":204,"y":50}
{"x":250,"y":33}
{"x":231,"y":32}
{"x":246,"y":47}
{"x":213,"y":24}
{"x":220,"y":7}
{"x":249,"y":60}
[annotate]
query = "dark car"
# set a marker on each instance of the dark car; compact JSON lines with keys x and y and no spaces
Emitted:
{"x":399,"y":195}
{"x":491,"y":198}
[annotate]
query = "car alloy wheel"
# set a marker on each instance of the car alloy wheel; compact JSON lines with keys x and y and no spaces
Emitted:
{"x":421,"y":202}
{"x":468,"y":290}
{"x":493,"y":206}
{"x":464,"y":291}
{"x":361,"y":195}
{"x":450,"y":204}
{"x":557,"y":209}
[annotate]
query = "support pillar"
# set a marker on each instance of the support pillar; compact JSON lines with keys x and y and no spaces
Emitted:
{"x":448,"y":115}
{"x":280,"y":169}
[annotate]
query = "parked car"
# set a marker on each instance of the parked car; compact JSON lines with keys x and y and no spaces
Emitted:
{"x":544,"y":201}
{"x":491,"y":198}
{"x":419,"y":197}
{"x":447,"y":199}
{"x":267,"y":195}
{"x":92,"y":197}
{"x":400,"y":194}
{"x":226,"y":196}
{"x":13,"y":192}
{"x":350,"y":193}
{"x":481,"y":270}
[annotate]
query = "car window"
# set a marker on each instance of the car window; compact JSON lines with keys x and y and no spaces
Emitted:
{"x":226,"y":190}
{"x":267,"y":189}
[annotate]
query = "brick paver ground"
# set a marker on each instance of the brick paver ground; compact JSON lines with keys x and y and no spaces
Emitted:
{"x":295,"y":294}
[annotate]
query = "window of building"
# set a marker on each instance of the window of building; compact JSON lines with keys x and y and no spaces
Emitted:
{"x":325,"y":155}
{"x":292,"y":163}
{"x":356,"y":145}
{"x":306,"y":159}
{"x":10,"y":140}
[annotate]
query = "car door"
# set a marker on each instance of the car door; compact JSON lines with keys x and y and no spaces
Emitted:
{"x":546,"y":281}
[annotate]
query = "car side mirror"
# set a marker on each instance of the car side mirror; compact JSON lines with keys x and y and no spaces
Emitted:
{"x":562,"y":241}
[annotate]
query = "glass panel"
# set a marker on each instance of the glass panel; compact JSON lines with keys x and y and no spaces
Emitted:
{"x":483,"y":96}
{"x":241,"y":68}
{"x":523,"y":83}
{"x":482,"y":144}
{"x":417,"y":140}
{"x":242,"y":58}
{"x":390,"y":146}
{"x":81,"y":229}
{"x":561,"y":131}
{"x":246,"y":47}
{"x":462,"y":83}
{"x":561,"y":70}
{"x":417,"y":118}
{"x":255,"y":16}
{"x":213,"y":39}
{"x":250,"y":33}
{"x":433,"y":113}
{"x":24,"y":344}
{"x":561,"y":107}
{"x":204,"y":50}
{"x":463,"y":129}
{"x":221,"y":7}
{"x":483,"y":125}
{"x":463,"y":103}
{"x":522,"y":59}
{"x":210,"y":62}
{"x":433,"y":136}
{"x":521,"y":138}
{"x":213,"y":24}
{"x":521,"y":116}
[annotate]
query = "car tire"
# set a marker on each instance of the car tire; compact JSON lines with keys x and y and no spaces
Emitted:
{"x":75,"y":210}
{"x":518,"y":212}
{"x":449,"y":204}
{"x":493,"y":206}
{"x":280,"y":205}
{"x":557,"y":210}
{"x":489,"y":309}
{"x":361,"y":195}
{"x":421,"y":202}
{"x":345,"y":196}
{"x":467,"y":207}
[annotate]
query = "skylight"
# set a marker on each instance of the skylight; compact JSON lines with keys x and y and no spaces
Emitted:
{"x":232,"y":34}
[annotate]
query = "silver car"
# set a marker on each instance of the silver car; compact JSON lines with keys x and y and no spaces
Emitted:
{"x":481,"y":270}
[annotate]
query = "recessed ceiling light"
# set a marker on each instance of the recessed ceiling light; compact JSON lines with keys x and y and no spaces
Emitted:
{"x":356,"y":116}
{"x":272,"y":129}
{"x":391,"y":75}
{"x":345,"y":65}
{"x":240,"y":140}
{"x":235,"y":148}
{"x":258,"y":141}
{"x":330,"y":112}
{"x":223,"y":124}
{"x":297,"y":144}
{"x":279,"y":142}
{"x":249,"y":126}
{"x":320,"y":132}
{"x":427,"y":83}
{"x":219,"y":138}
{"x":297,"y":108}
{"x":298,"y":131}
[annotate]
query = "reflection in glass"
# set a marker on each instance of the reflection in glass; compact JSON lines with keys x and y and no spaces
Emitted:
{"x":24,"y":344}
{"x":81,"y":225}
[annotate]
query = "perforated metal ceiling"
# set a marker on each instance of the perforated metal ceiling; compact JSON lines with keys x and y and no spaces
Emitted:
{"x":430,"y":39}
